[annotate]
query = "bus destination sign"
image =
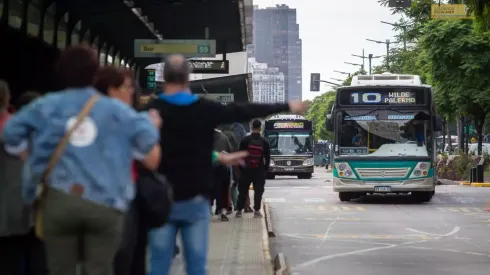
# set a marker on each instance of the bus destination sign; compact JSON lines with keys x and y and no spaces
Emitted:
{"x":289,"y":125}
{"x":382,"y":97}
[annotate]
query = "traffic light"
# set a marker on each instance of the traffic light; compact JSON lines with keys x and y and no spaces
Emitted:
{"x":399,"y":3}
{"x":315,"y":82}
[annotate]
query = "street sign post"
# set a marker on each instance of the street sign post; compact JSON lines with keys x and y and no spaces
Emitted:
{"x":209,"y":66}
{"x":161,"y":48}
{"x":450,"y":12}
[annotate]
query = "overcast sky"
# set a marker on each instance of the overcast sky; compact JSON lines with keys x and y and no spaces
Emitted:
{"x":333,"y":30}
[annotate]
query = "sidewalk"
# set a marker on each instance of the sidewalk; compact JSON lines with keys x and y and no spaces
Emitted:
{"x":237,"y":247}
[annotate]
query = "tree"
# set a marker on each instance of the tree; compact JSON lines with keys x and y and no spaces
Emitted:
{"x":348,"y":80}
{"x":459,"y":63}
{"x":318,"y":111}
{"x":481,"y":10}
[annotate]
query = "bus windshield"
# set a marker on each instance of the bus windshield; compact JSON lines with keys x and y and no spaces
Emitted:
{"x":290,"y":143}
{"x":384,"y":133}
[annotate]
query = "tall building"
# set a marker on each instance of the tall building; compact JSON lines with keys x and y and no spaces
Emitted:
{"x":268,"y":82}
{"x":276,"y":42}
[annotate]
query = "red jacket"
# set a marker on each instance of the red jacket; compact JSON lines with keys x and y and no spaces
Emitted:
{"x":134,"y":172}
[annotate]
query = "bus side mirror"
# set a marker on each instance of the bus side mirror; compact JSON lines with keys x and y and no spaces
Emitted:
{"x":437,"y":124}
{"x":329,"y":123}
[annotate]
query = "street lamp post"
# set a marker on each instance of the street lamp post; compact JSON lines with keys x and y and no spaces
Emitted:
{"x":387,"y":43}
{"x":404,"y":29}
{"x":344,"y":73}
{"x":370,"y":57}
{"x":361,"y":56}
{"x":355,"y":64}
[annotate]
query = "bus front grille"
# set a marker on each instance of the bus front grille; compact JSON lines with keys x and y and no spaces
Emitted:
{"x":292,"y":162}
{"x":382,"y":172}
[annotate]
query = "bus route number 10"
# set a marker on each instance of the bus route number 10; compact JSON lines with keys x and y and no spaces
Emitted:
{"x":366,"y":98}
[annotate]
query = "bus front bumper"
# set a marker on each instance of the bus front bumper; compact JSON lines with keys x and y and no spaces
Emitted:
{"x":402,"y":186}
{"x":285,"y":170}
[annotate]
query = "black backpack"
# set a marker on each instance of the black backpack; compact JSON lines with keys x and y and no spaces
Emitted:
{"x":255,"y":153}
{"x":154,"y":197}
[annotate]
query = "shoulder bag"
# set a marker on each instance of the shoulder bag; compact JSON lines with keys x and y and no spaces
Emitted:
{"x":60,"y":148}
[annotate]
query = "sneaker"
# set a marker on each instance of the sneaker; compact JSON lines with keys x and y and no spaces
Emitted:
{"x":257,"y":214}
{"x":224,"y":218}
{"x":249,"y":210}
{"x":238,"y":214}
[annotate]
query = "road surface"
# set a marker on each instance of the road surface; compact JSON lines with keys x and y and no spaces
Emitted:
{"x":382,"y":235}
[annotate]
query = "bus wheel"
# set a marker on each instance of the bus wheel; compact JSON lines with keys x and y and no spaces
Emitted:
{"x":422,"y":196}
{"x":344,"y":196}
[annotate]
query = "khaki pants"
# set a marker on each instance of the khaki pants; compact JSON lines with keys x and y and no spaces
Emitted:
{"x":74,"y":226}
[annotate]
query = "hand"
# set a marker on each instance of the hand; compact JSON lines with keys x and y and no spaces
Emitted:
{"x":236,"y":158}
{"x":155,"y":117}
{"x":298,"y":107}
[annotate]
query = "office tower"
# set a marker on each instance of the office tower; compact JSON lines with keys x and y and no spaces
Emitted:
{"x":277,"y":43}
{"x":268,"y":82}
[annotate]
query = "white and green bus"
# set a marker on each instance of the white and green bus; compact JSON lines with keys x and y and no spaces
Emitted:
{"x":385,"y":137}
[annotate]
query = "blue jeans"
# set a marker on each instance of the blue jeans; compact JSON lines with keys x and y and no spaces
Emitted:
{"x":192,"y":218}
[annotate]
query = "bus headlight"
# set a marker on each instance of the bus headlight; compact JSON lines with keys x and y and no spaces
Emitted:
{"x":421,"y":170}
{"x":344,"y":170}
{"x":308,"y":162}
{"x":272,"y":163}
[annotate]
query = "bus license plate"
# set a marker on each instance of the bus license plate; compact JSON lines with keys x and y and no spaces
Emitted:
{"x":289,"y":168}
{"x":382,"y":189}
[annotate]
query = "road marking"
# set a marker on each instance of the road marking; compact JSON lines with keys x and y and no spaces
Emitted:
{"x":454,"y":231}
{"x":275,"y":200}
{"x":323,"y":208}
{"x":272,"y":187}
{"x":325,"y":236}
{"x":302,"y":187}
{"x":460,"y":209}
{"x":331,"y":219}
{"x":317,"y":200}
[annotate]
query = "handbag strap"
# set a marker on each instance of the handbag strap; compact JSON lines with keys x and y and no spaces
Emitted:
{"x":60,"y":148}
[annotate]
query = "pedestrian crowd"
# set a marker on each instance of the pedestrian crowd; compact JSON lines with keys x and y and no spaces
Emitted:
{"x":91,"y":182}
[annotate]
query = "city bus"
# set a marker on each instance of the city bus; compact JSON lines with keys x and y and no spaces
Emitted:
{"x":291,"y":143}
{"x":385,"y":129}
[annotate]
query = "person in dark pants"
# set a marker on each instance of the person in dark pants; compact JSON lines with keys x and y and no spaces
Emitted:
{"x":257,"y":164}
{"x":221,"y":175}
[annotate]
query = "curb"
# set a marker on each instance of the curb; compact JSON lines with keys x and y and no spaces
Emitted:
{"x":268,"y":221}
{"x":480,"y":184}
{"x":265,"y":241}
{"x":475,"y":184}
{"x":281,"y":266}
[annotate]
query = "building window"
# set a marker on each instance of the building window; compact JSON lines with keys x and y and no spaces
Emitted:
{"x":34,"y":18}
{"x":48,"y":32}
{"x":16,"y":10}
{"x":62,"y":32}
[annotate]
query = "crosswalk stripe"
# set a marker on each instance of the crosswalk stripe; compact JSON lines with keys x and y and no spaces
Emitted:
{"x":460,"y":209}
{"x":317,"y":200}
{"x":360,"y":208}
{"x":275,"y":200}
{"x":336,"y":208}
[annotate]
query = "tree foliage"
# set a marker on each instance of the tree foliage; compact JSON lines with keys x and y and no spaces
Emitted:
{"x":319,"y":108}
{"x":452,"y":56}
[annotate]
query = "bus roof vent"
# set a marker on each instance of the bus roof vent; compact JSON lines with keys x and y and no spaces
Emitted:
{"x":386,"y":79}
